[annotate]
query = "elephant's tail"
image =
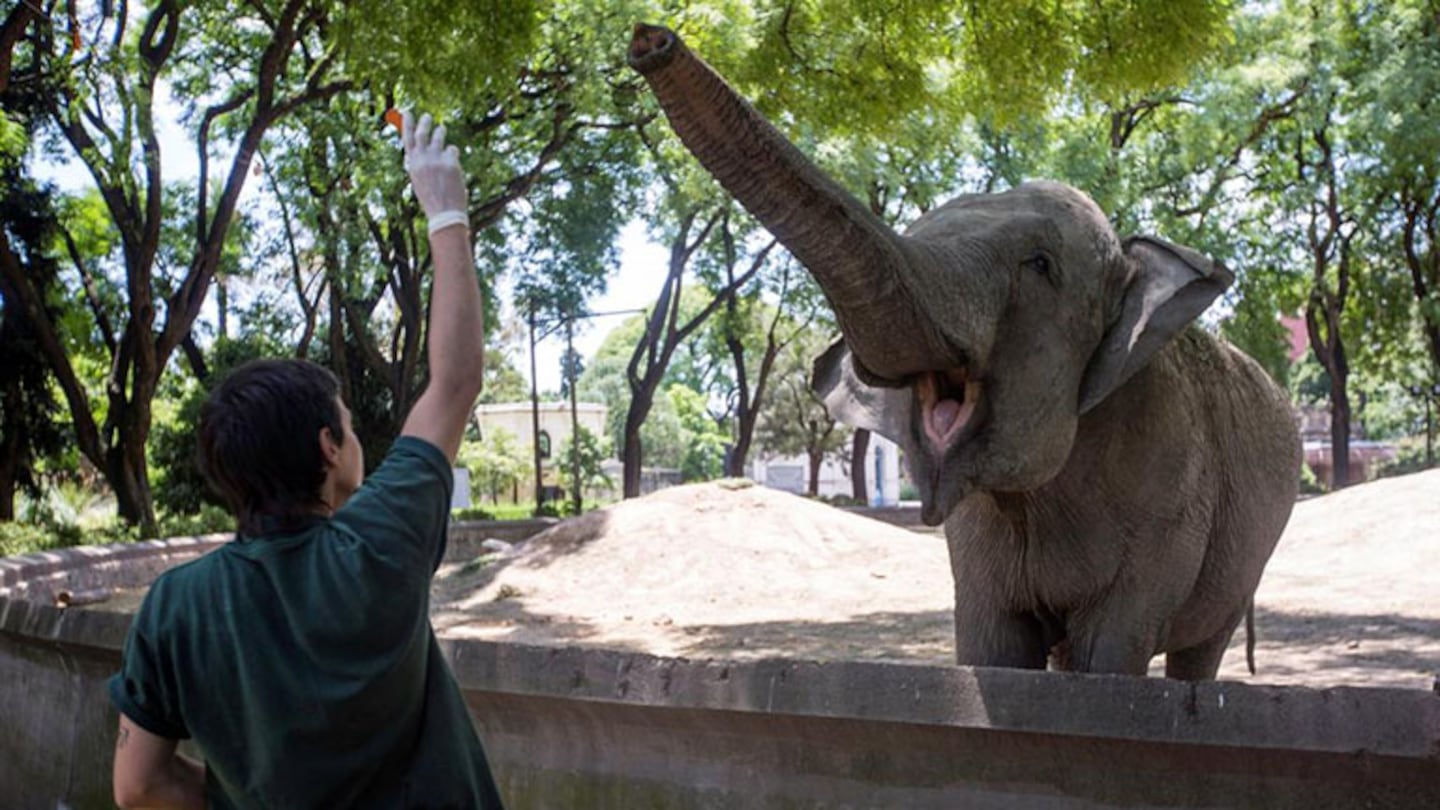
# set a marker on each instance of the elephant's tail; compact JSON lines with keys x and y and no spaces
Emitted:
{"x":1250,"y":635}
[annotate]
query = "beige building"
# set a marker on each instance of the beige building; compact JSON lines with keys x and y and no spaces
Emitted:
{"x":555,"y":422}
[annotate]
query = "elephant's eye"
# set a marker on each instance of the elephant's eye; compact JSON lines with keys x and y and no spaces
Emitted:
{"x":1041,"y":264}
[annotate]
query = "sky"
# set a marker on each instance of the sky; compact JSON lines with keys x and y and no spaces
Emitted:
{"x":635,"y":286}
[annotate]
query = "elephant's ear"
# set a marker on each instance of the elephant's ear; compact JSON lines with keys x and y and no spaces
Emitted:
{"x":885,"y":411}
{"x":1170,"y":287}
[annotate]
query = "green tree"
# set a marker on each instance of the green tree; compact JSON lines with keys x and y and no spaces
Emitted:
{"x":496,"y":462}
{"x":29,"y":431}
{"x":794,"y":421}
{"x":705,"y":439}
{"x":503,"y":380}
{"x":604,"y":380}
{"x":102,"y":102}
{"x":588,"y":452}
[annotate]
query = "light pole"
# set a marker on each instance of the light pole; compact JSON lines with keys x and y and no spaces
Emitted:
{"x":572,"y":374}
{"x":535,"y":420}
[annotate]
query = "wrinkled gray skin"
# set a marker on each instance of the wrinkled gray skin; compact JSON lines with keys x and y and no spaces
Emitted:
{"x":1112,"y":479}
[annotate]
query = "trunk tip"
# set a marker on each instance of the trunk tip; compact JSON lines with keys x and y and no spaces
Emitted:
{"x":651,"y":47}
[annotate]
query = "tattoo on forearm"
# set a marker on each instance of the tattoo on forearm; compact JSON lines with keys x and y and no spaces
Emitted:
{"x":123,"y":737}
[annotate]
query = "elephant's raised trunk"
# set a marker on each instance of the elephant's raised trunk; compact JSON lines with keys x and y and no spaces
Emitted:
{"x":869,"y":273}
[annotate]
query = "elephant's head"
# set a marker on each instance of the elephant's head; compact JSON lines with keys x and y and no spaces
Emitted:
{"x":975,"y":340}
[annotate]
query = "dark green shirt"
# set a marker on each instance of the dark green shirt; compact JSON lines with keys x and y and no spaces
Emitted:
{"x":304,"y":665}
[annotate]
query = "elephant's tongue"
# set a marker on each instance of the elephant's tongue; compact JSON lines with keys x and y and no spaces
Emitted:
{"x":946,"y":419}
{"x":943,"y":416}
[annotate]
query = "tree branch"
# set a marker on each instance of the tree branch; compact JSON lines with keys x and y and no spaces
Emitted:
{"x":92,"y":296}
{"x":16,"y":287}
{"x":13,"y":29}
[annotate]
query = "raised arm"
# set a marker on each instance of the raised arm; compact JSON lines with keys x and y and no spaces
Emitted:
{"x":455,"y":337}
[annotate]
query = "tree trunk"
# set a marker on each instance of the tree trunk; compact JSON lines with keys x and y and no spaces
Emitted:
{"x":1330,"y":243}
{"x":663,"y":334}
{"x":747,"y":409}
{"x":127,"y":474}
{"x":814,"y":456}
{"x":631,"y":456}
{"x":859,"y":446}
{"x":1339,"y":430}
{"x":12,"y":456}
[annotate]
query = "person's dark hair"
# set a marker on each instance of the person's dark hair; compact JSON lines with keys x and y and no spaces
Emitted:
{"x":259,"y":443}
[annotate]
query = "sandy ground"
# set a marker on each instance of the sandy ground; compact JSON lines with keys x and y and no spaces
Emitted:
{"x":729,"y":570}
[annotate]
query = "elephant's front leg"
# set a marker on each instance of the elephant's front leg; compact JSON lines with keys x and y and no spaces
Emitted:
{"x":1116,"y":636}
{"x":987,"y":636}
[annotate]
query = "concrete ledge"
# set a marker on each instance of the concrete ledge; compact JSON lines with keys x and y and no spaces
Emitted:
{"x":567,"y":725}
{"x":1345,"y":720}
{"x":466,"y":536}
{"x":592,"y":728}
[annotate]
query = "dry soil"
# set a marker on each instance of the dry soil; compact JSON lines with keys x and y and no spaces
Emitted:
{"x":731,"y":570}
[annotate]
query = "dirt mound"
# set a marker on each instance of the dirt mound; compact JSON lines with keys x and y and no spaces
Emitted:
{"x":735,"y":570}
{"x":724,"y":569}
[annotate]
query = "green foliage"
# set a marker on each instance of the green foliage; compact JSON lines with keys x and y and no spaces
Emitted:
{"x":438,"y":64}
{"x":858,"y":65}
{"x":73,"y":515}
{"x":794,"y":421}
{"x":180,"y":489}
{"x":496,"y":463}
{"x":1309,"y":483}
{"x":1412,"y":456}
{"x":25,"y":538}
{"x":663,"y":436}
{"x":704,"y":458}
{"x":13,"y":140}
{"x":31,"y":431}
{"x":523,"y":510}
{"x":592,"y":453}
{"x":503,"y":381}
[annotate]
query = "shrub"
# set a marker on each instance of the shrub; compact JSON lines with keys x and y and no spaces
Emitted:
{"x":1409,"y":458}
{"x":23,"y":538}
{"x":472,"y":513}
{"x":1309,"y":484}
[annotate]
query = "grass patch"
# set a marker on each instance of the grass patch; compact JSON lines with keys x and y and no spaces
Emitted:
{"x":51,"y":532}
{"x":525,"y":510}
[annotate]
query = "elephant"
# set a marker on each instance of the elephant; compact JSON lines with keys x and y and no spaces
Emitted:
{"x":1111,"y":478}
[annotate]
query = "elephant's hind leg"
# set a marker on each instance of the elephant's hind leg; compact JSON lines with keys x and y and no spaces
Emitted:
{"x":1202,"y":661}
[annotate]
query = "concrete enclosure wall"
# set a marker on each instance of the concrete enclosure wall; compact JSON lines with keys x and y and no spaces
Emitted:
{"x":586,"y":728}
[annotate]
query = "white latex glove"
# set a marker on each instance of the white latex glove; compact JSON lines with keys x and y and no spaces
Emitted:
{"x":435,"y":173}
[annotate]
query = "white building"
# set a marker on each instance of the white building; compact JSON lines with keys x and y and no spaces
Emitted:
{"x":882,"y":473}
{"x":789,"y":473}
{"x":555,"y":427}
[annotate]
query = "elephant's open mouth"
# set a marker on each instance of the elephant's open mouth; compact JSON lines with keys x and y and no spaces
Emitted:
{"x":947,"y":404}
